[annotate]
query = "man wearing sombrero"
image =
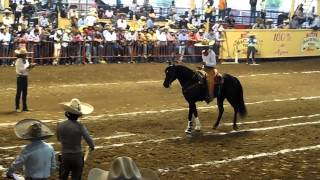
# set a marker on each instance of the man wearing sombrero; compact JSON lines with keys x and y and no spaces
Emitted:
{"x":252,"y":42}
{"x":123,"y":168}
{"x":70,"y":134}
{"x":209,"y":66}
{"x":22,"y":70}
{"x":37,"y":159}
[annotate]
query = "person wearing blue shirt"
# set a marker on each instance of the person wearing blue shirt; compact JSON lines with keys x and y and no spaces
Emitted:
{"x":37,"y":159}
{"x":81,"y":22}
{"x":252,"y":42}
{"x":182,"y":38}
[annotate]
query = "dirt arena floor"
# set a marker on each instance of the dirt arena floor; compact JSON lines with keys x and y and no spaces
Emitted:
{"x":136,"y":116}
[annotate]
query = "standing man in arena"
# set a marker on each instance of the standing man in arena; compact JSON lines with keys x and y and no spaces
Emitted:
{"x":22,"y":69}
{"x":252,"y":42}
{"x":70,"y":133}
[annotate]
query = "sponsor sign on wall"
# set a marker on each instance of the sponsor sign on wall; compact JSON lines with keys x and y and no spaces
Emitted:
{"x":271,"y":43}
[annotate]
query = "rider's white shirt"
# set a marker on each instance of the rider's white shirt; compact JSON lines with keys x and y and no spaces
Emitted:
{"x":210,"y":59}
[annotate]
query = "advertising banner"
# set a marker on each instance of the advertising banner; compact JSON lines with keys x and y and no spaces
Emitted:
{"x":271,"y":43}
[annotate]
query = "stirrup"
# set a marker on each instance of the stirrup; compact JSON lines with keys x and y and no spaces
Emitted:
{"x":208,"y":100}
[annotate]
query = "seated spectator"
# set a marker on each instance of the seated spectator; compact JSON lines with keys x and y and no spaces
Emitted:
{"x":316,"y":23}
{"x":122,"y":22}
{"x":199,"y":35}
{"x":37,"y":159}
{"x":101,"y":13}
{"x":230,"y":21}
{"x":123,"y":168}
{"x":82,"y":21}
{"x":43,"y":20}
{"x":183,"y":23}
{"x":7,"y":19}
{"x":284,"y":25}
{"x":142,"y":22}
{"x":259,"y":24}
{"x":196,"y":21}
{"x":269,"y":24}
{"x":91,"y":19}
{"x":73,"y":12}
{"x":109,"y":13}
{"x":150,"y":22}
{"x":209,"y":35}
{"x":152,"y":14}
{"x":294,"y":23}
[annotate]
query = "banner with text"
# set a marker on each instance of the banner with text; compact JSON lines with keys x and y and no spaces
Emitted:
{"x":271,"y":43}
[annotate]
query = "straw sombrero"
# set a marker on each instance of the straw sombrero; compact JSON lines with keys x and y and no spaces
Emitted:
{"x":77,"y":107}
{"x":205,"y":43}
{"x":21,"y":51}
{"x":7,"y":11}
{"x":32,"y":129}
{"x":250,"y":34}
{"x":123,"y":168}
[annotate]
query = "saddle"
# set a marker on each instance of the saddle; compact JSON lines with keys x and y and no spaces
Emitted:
{"x":202,"y":77}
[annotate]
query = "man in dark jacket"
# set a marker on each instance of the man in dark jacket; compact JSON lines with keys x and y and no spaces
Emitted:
{"x":70,"y":133}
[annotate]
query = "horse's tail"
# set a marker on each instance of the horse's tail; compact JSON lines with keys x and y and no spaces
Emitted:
{"x":241,"y":105}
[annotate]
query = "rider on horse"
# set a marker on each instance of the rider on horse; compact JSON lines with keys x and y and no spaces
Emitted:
{"x":209,"y":66}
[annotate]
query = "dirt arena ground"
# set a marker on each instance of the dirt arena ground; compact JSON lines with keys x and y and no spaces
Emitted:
{"x":136,"y":116}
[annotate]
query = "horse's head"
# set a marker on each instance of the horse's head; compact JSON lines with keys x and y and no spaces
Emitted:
{"x":171,"y":75}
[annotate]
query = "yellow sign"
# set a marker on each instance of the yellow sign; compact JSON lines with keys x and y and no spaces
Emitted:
{"x":271,"y":43}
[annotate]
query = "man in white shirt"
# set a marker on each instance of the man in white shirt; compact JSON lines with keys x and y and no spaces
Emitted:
{"x":43,"y":21}
{"x":131,"y":37}
{"x":209,"y":66}
{"x":7,"y":18}
{"x":122,"y":22}
{"x":90,"y":20}
{"x":22,"y":71}
{"x":5,"y":39}
{"x":133,"y":8}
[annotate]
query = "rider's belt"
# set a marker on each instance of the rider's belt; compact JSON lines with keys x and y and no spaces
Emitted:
{"x":209,"y":67}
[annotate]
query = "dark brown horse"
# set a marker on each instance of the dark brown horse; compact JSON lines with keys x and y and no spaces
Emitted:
{"x":194,"y":91}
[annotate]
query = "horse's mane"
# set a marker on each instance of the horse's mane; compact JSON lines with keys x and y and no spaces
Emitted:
{"x":182,"y":67}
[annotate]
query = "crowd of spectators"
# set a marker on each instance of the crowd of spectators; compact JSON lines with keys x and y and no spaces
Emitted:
{"x":89,"y":40}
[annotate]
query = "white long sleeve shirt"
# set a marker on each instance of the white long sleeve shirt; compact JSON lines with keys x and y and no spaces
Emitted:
{"x":21,"y":67}
{"x":210,"y":59}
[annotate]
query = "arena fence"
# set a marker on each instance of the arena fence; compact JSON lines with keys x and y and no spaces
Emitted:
{"x":48,"y":52}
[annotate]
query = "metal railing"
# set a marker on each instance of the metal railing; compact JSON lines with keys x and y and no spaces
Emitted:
{"x":49,"y":52}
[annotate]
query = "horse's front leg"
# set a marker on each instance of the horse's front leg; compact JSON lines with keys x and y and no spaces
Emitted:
{"x":196,"y":118}
{"x":189,"y":127}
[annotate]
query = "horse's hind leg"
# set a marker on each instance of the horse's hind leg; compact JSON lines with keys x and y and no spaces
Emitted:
{"x":221,"y":109}
{"x":235,"y":126}
{"x":235,"y":109}
{"x":195,"y":113}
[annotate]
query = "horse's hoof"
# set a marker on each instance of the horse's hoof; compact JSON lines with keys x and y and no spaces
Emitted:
{"x":236,"y":128}
{"x":214,"y":127}
{"x":188,"y":131}
{"x":197,"y":129}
